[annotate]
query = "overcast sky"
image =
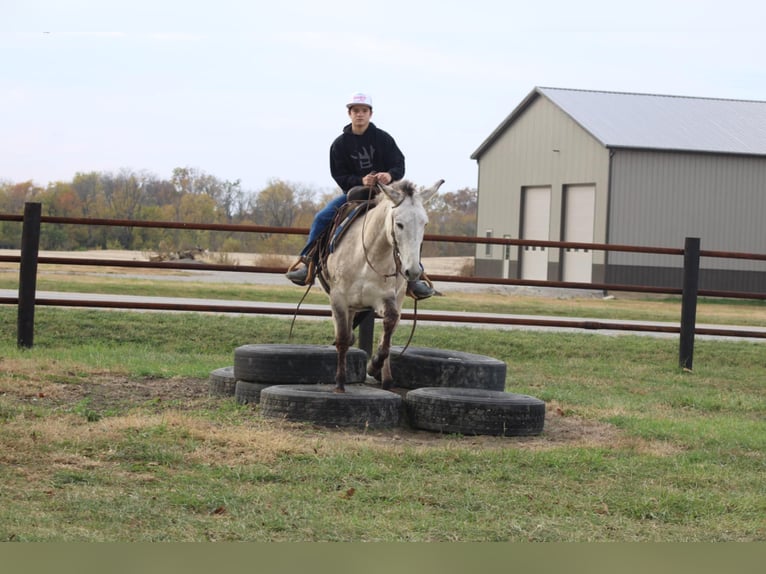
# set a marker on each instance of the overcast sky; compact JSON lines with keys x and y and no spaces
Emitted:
{"x":256,"y":90}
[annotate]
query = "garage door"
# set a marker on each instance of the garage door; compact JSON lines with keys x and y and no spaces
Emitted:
{"x":579,"y":209}
{"x":535,"y":224}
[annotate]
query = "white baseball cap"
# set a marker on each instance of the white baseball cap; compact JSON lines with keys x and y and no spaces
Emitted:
{"x":359,"y":99}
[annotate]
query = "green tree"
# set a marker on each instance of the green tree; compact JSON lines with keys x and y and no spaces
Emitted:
{"x":197,"y":209}
{"x":191,"y":195}
{"x":90,"y":191}
{"x":452,"y":213}
{"x":13,"y":196}
{"x":278,"y":205}
{"x":275,"y":206}
{"x":61,"y":200}
{"x":124,"y":195}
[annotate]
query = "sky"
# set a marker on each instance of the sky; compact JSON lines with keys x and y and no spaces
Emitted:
{"x":255,"y":90}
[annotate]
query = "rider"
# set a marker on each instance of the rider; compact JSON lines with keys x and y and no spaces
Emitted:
{"x":362,"y":155}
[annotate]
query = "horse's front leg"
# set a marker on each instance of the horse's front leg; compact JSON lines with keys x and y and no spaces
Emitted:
{"x":380,"y":365}
{"x":343,"y":337}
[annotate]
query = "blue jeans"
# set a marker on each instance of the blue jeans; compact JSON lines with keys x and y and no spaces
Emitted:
{"x":322,"y":220}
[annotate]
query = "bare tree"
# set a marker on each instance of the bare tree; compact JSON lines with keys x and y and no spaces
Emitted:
{"x":276,"y":205}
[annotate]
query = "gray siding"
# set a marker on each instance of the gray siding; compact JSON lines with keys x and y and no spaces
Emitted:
{"x":658,"y":199}
{"x":714,"y":279}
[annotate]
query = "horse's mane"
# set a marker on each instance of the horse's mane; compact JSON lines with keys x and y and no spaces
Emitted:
{"x":404,"y":185}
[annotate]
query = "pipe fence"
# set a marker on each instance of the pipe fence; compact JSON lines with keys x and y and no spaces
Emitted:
{"x":689,"y":291}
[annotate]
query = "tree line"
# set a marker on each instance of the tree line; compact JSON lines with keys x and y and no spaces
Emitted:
{"x":193,"y":196}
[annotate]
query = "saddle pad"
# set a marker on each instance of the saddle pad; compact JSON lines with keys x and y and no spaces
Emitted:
{"x":346,"y":215}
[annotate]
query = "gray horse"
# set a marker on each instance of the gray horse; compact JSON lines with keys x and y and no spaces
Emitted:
{"x":370,"y":269}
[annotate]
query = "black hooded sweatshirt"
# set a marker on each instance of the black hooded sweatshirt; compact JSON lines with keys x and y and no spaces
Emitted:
{"x":352,"y":156}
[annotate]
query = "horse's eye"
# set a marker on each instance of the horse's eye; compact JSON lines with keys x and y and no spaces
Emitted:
{"x":400,"y":225}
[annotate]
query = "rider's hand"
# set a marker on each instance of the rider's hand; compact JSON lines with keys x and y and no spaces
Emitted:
{"x":370,"y":179}
{"x":383,"y":177}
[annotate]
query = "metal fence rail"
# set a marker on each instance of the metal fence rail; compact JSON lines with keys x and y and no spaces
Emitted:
{"x":29,"y":260}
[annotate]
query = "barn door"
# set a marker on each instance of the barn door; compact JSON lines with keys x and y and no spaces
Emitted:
{"x":579,"y":210}
{"x":535,"y":224}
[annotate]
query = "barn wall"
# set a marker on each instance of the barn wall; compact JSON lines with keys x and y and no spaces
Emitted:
{"x":543,"y":147}
{"x":659,"y":199}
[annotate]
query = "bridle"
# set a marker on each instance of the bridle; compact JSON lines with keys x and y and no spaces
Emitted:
{"x":397,"y":261}
{"x":395,"y":245}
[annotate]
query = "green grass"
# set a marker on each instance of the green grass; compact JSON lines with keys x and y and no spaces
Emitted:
{"x":106,"y":434}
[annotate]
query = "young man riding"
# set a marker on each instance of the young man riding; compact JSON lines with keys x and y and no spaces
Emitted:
{"x":363,"y":155}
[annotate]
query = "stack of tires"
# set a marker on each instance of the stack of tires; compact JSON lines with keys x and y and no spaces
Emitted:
{"x":444,"y":391}
{"x":297,"y":382}
{"x":462,"y":393}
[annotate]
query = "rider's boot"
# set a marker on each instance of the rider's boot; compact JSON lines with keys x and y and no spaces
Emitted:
{"x":298,"y":272}
{"x":421,"y":289}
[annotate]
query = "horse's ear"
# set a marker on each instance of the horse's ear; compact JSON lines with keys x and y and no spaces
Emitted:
{"x":393,"y":193}
{"x":428,"y":194}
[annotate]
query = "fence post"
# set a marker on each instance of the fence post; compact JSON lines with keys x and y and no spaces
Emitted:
{"x":689,"y":301}
{"x":366,"y":331}
{"x":30,"y":245}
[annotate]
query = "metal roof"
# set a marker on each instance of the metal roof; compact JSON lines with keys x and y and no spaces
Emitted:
{"x":647,"y":121}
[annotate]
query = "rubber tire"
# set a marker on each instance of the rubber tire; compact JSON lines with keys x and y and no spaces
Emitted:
{"x":222,"y":382}
{"x":360,"y":406}
{"x":249,"y":393}
{"x":474,"y":412}
{"x":296,"y":364}
{"x":424,"y":367}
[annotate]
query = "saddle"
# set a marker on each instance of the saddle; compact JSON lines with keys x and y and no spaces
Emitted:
{"x":359,"y":200}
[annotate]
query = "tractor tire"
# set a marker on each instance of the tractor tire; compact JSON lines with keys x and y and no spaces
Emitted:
{"x":249,"y":393}
{"x":360,"y":406}
{"x":222,"y":382}
{"x":474,"y":412}
{"x":421,"y":367}
{"x":296,"y":364}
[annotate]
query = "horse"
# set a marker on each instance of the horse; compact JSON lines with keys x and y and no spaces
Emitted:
{"x":370,"y":268}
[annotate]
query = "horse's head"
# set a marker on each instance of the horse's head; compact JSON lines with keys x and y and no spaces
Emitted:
{"x":407,"y":223}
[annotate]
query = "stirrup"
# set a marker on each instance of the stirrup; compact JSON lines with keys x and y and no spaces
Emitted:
{"x":424,"y":278}
{"x":310,"y":270}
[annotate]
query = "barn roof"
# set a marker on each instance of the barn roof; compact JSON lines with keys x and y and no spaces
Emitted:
{"x":649,"y":121}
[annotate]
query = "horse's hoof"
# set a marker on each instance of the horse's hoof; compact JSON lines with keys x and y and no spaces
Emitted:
{"x":339,"y":389}
{"x":374,"y":373}
{"x":386,"y":385}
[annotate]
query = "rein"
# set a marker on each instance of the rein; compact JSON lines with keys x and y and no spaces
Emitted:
{"x":297,"y":308}
{"x":397,"y":260}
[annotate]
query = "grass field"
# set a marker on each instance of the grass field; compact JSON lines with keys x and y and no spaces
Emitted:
{"x":107,"y":433}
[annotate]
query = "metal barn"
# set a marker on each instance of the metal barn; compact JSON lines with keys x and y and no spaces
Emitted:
{"x":623,"y":168}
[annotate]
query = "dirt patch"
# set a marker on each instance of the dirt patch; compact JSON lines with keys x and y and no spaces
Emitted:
{"x":105,"y":393}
